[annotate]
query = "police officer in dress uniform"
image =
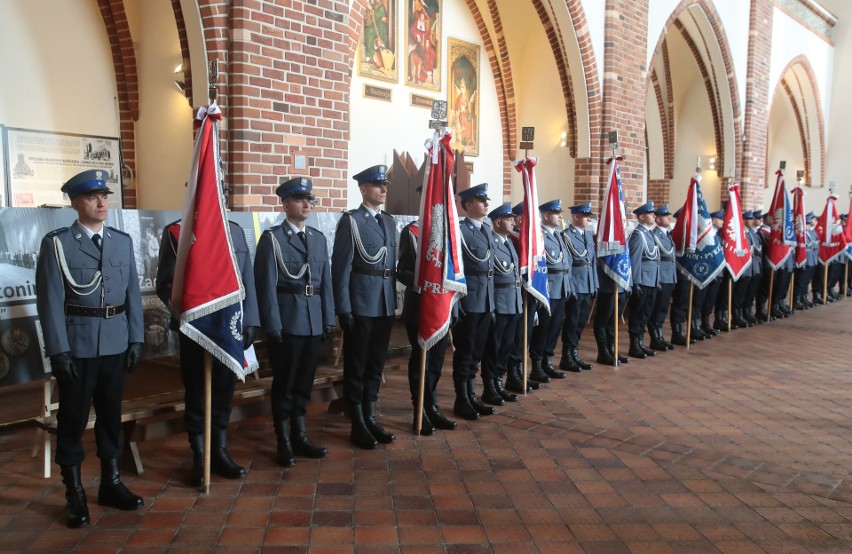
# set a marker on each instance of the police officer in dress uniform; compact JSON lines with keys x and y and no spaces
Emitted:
{"x":477,"y":308}
{"x":741,"y":286}
{"x":584,"y":283}
{"x":678,"y":313}
{"x":668,"y":279}
{"x":605,"y":318}
{"x":223,"y":379}
{"x":90,"y":308}
{"x":756,"y":270}
{"x":645,"y":265}
{"x":804,"y":274}
{"x":762,"y":293}
{"x":783,"y":276}
{"x":508,"y":308}
{"x":546,"y":334}
{"x":708,"y":299}
{"x":363,"y":272}
{"x":515,"y":378}
{"x":293,"y":276}
{"x":432,"y":417}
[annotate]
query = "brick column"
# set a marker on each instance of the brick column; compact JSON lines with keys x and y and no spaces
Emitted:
{"x":753,"y":162}
{"x":624,"y":89}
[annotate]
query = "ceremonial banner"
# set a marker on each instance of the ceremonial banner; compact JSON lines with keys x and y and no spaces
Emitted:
{"x":533,"y":266}
{"x":800,"y":254}
{"x":439,"y":273}
{"x":832,"y":238}
{"x":611,"y":239}
{"x":848,"y":231}
{"x":779,"y":219}
{"x":737,"y":249}
{"x":207,"y":291}
{"x":700,"y":253}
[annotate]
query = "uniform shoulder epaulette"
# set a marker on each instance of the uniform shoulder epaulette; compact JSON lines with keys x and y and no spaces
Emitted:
{"x":272,"y":227}
{"x":387,"y":214}
{"x":120,"y":232}
{"x":57,"y":232}
{"x":314,"y":229}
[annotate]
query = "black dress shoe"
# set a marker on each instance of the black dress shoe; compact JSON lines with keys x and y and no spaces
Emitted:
{"x":537,"y":375}
{"x":378,"y":432}
{"x":112,"y":491}
{"x":436,"y":417}
{"x":568,"y":364}
{"x":426,"y":427}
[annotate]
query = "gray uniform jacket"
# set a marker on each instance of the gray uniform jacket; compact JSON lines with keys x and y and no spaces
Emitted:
{"x":286,"y":302}
{"x":363,"y":275}
{"x":811,"y":247}
{"x":507,"y":277}
{"x":166,"y":270}
{"x":478,"y":267}
{"x":644,"y":257}
{"x":86,"y":336}
{"x":581,"y":245}
{"x":756,"y":252}
{"x":668,"y":266}
{"x":558,"y":260}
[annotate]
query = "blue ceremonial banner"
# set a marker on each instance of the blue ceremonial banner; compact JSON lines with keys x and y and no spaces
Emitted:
{"x":617,"y":266}
{"x":707,"y":260}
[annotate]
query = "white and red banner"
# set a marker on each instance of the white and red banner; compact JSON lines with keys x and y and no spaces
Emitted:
{"x":800,"y":253}
{"x":207,"y":291}
{"x":611,"y":239}
{"x":439,"y":272}
{"x":736,"y":245}
{"x":779,"y":219}
{"x":832,"y":236}
{"x":533,"y":266}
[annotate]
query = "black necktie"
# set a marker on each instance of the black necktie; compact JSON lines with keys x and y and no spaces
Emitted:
{"x":485,"y":233}
{"x":304,"y":239}
{"x":381,"y":223}
{"x":96,"y":238}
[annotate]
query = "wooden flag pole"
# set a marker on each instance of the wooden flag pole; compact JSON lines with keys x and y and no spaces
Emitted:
{"x":689,"y":317}
{"x":208,"y":372}
{"x":790,"y":301}
{"x":845,"y":279}
{"x":525,"y":353}
{"x":769,"y":300}
{"x":730,"y":296}
{"x":825,"y":283}
{"x":615,"y":326}
{"x":418,"y":420}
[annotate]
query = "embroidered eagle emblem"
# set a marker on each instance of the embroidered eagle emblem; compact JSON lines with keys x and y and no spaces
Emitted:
{"x":435,"y":247}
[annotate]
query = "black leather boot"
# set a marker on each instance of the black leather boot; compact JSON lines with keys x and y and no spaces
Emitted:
{"x":427,"y":429}
{"x":76,"y":508}
{"x":112,"y":491}
{"x":604,"y":354}
{"x":659,"y":331}
{"x":708,"y":329}
{"x":462,"y":406}
{"x":575,"y":355}
{"x":302,"y":445}
{"x":220,"y":461}
{"x":430,"y":404}
{"x":567,"y":362}
{"x":748,"y":315}
{"x":636,"y":351}
{"x":382,"y":436}
{"x":657,"y":339}
{"x":551,"y":372}
{"x":284,"y":452}
{"x":739,"y":319}
{"x":501,"y":390}
{"x":359,"y":435}
{"x":679,"y":334}
{"x":721,"y":323}
{"x":196,"y":475}
{"x":474,"y":401}
{"x":490,"y":395}
{"x":515,"y":380}
{"x":536,"y":373}
{"x":696,"y":332}
{"x":648,"y":352}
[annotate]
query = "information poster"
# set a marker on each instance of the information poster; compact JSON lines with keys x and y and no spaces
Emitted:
{"x":40,"y":162}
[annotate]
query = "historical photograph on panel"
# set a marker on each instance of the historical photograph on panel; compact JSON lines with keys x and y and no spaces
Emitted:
{"x":146,"y":229}
{"x":377,"y":45}
{"x":463,"y":95}
{"x":423,"y":53}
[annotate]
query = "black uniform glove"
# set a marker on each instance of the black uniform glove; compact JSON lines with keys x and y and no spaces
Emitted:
{"x":249,"y":336}
{"x":274,"y":336}
{"x":492,"y":318}
{"x":327,"y":331}
{"x":134,"y":355}
{"x":63,"y":368}
{"x":347,"y":322}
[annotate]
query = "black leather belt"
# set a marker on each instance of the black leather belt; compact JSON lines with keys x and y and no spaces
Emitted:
{"x":555,"y":271}
{"x":516,"y":284}
{"x":583,"y":263}
{"x":106,"y":312}
{"x":384,"y":273}
{"x":480,"y":273}
{"x":307,"y":290}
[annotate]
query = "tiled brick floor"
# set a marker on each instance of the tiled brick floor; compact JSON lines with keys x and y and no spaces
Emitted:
{"x":741,"y":444}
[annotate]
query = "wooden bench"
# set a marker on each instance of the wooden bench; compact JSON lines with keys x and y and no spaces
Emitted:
{"x":160,"y":415}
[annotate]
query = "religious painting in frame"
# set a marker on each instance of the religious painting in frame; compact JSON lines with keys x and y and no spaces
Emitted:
{"x":377,"y":43}
{"x":463,"y":95}
{"x":423,"y":43}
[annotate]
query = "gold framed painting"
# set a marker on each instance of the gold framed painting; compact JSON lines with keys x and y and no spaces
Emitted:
{"x":377,"y":44}
{"x":463,"y":95}
{"x":423,"y":43}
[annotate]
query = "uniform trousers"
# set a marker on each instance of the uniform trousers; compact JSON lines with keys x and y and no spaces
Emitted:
{"x":192,"y":375}
{"x":754,"y":284}
{"x":763,"y":289}
{"x":469,"y":337}
{"x":740,"y":294}
{"x":803,"y":281}
{"x":365,"y":349}
{"x":722,"y":293}
{"x":661,"y":305}
{"x":641,"y":304}
{"x":516,"y":357}
{"x":708,"y":299}
{"x":434,"y":361}
{"x":546,"y":333}
{"x":577,"y":310}
{"x":605,"y":319}
{"x":99,"y":382}
{"x":499,"y":345}
{"x":782,"y":285}
{"x":294,"y":365}
{"x":680,"y":301}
